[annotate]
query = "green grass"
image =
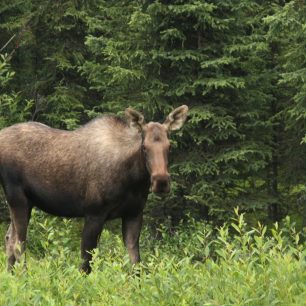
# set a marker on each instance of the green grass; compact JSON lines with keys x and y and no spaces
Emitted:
{"x":193,"y":265}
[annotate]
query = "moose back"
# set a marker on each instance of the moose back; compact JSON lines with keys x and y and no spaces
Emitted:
{"x":100,"y":171}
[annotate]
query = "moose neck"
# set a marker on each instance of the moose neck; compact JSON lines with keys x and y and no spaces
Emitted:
{"x":135,"y":161}
{"x":141,"y":163}
{"x":117,"y":145}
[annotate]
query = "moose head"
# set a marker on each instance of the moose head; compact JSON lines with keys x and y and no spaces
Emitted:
{"x":155,"y":144}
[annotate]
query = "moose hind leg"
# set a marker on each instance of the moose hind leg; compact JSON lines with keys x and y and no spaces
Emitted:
{"x":20,"y":213}
{"x":10,"y":240}
{"x":91,"y":233}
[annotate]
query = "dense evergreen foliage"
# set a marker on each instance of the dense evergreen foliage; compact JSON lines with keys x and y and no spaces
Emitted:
{"x":239,"y":65}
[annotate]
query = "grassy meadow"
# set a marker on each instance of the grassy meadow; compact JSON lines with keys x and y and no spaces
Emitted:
{"x":193,"y":264}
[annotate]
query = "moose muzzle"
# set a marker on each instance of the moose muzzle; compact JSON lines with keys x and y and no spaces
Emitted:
{"x":160,"y":183}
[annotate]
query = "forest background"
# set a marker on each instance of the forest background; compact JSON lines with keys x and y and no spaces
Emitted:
{"x":240,"y":66}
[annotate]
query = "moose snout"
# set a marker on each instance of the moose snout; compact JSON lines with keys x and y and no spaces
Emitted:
{"x":160,"y":183}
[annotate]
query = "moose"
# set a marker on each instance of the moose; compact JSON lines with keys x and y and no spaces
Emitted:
{"x":100,"y":171}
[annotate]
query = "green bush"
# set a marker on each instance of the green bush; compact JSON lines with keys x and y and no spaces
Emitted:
{"x":193,"y":264}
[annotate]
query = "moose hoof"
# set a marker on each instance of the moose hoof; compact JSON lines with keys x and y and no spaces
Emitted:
{"x":85,"y":268}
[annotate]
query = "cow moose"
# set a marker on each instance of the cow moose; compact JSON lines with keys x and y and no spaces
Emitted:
{"x":100,"y":171}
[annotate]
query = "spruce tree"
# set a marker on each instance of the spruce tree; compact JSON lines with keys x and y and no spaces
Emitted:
{"x":208,"y":56}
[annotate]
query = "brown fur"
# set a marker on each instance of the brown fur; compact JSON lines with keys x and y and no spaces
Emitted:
{"x":98,"y":171}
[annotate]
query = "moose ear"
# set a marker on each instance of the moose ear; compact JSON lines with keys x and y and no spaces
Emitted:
{"x":135,"y":119}
{"x":176,"y":118}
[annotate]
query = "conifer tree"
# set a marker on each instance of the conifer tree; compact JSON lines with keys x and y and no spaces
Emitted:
{"x":209,"y":56}
{"x":238,"y":65}
{"x":47,"y":51}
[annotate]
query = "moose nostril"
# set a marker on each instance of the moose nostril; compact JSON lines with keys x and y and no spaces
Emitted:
{"x":161,"y":183}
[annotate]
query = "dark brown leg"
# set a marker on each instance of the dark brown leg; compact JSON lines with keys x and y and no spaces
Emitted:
{"x":131,"y":227}
{"x":91,"y":233}
{"x":21,"y":217}
{"x":16,"y":236}
{"x":10,"y":241}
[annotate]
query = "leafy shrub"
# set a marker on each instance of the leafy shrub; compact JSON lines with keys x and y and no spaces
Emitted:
{"x":194,"y":264}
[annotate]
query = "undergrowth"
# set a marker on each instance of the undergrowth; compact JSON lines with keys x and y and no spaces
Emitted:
{"x":193,"y":264}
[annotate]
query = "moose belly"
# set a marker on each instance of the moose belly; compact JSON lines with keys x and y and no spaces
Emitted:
{"x":55,"y":201}
{"x":128,"y":203}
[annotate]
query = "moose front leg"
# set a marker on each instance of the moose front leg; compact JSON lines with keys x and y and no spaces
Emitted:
{"x":91,"y":233}
{"x":131,"y":226}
